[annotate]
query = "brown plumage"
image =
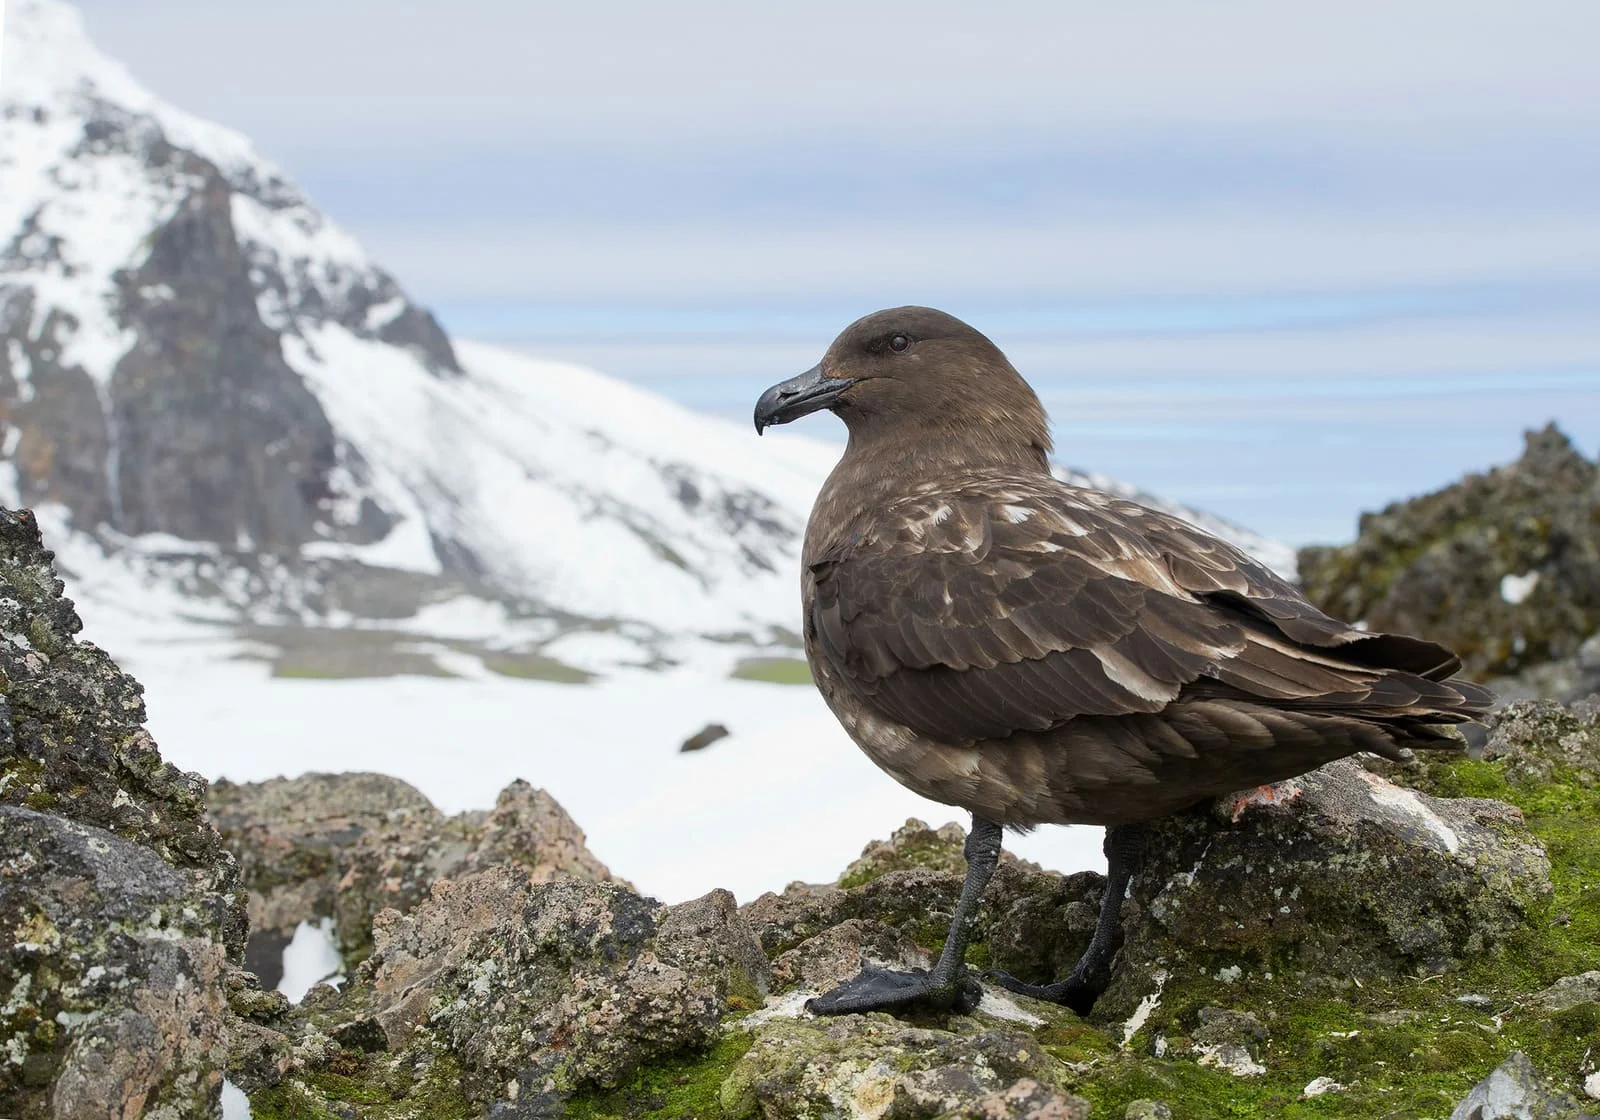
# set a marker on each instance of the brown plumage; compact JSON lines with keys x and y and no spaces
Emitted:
{"x":1037,"y":652}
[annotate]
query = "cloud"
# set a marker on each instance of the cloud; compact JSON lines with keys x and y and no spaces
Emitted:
{"x":303,"y":74}
{"x":712,"y":150}
{"x":933,"y":262}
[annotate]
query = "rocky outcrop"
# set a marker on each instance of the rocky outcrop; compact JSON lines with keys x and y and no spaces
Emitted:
{"x":119,"y":907}
{"x":1300,"y":878}
{"x":1502,"y":567}
{"x":347,"y":846}
{"x":1386,"y":941}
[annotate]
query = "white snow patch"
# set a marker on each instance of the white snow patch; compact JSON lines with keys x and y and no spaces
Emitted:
{"x":1147,"y":1006}
{"x":235,"y":1105}
{"x":311,"y":958}
{"x":1514,"y":589}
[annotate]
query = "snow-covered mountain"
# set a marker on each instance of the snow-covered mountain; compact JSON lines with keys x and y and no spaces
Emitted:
{"x":223,"y":409}
{"x":205,"y":377}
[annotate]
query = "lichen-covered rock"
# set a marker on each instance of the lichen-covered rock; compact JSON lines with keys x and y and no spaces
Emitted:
{"x":839,"y":952}
{"x":348,"y":846}
{"x":529,"y":829}
{"x":1515,"y":1091}
{"x":119,"y":906}
{"x":1025,"y":1100}
{"x":912,"y":845}
{"x":1333,"y":876}
{"x":111,"y":999}
{"x":1540,"y":738}
{"x":1502,"y":567}
{"x":72,"y":736}
{"x":541,"y":990}
{"x":876,"y":1066}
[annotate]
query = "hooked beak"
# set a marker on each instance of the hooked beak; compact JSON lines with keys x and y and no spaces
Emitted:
{"x":794,"y":398}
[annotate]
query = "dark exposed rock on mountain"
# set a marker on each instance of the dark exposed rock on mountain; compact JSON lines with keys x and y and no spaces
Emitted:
{"x":201,"y":429}
{"x":1502,"y":567}
{"x":119,"y":907}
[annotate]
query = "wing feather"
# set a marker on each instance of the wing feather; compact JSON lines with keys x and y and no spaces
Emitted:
{"x":1004,"y":604}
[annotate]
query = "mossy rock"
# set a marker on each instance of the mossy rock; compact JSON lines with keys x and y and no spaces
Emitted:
{"x":1502,"y":567}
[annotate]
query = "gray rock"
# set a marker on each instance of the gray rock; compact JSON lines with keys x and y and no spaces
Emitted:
{"x":1515,"y":1091}
{"x":877,"y":1066}
{"x":838,"y":953}
{"x":1024,"y":1100}
{"x":292,"y":838}
{"x":115,"y":1001}
{"x":1034,"y":922}
{"x":700,"y":740}
{"x":530,"y":830}
{"x":1539,"y":737}
{"x":1570,"y":991}
{"x":72,"y":735}
{"x":1230,"y":1041}
{"x":543,"y":990}
{"x":871,"y":1065}
{"x":1303,"y":874}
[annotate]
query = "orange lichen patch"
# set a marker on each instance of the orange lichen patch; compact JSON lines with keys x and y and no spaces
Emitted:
{"x":1274,"y":794}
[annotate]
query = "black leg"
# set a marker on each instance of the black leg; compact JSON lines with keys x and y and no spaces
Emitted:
{"x":949,"y":985}
{"x":1124,"y":846}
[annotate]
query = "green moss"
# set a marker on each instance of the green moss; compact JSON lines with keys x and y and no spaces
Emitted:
{"x":773,"y":670}
{"x":289,"y":1101}
{"x":683,"y":1088}
{"x":536,"y":667}
{"x":383,"y":1088}
{"x":314,"y":670}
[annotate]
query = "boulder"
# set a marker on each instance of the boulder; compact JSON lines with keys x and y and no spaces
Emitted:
{"x":292,"y":836}
{"x":113,"y":981}
{"x":1334,"y":877}
{"x":1515,"y":1091}
{"x":543,"y":990}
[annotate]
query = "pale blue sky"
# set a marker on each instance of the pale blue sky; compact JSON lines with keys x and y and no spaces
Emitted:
{"x":1290,"y":260}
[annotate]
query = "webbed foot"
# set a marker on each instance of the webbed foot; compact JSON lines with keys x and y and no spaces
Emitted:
{"x":1077,"y":992}
{"x":879,"y":989}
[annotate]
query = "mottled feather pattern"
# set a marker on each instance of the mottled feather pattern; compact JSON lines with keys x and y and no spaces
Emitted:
{"x":1053,"y":618}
